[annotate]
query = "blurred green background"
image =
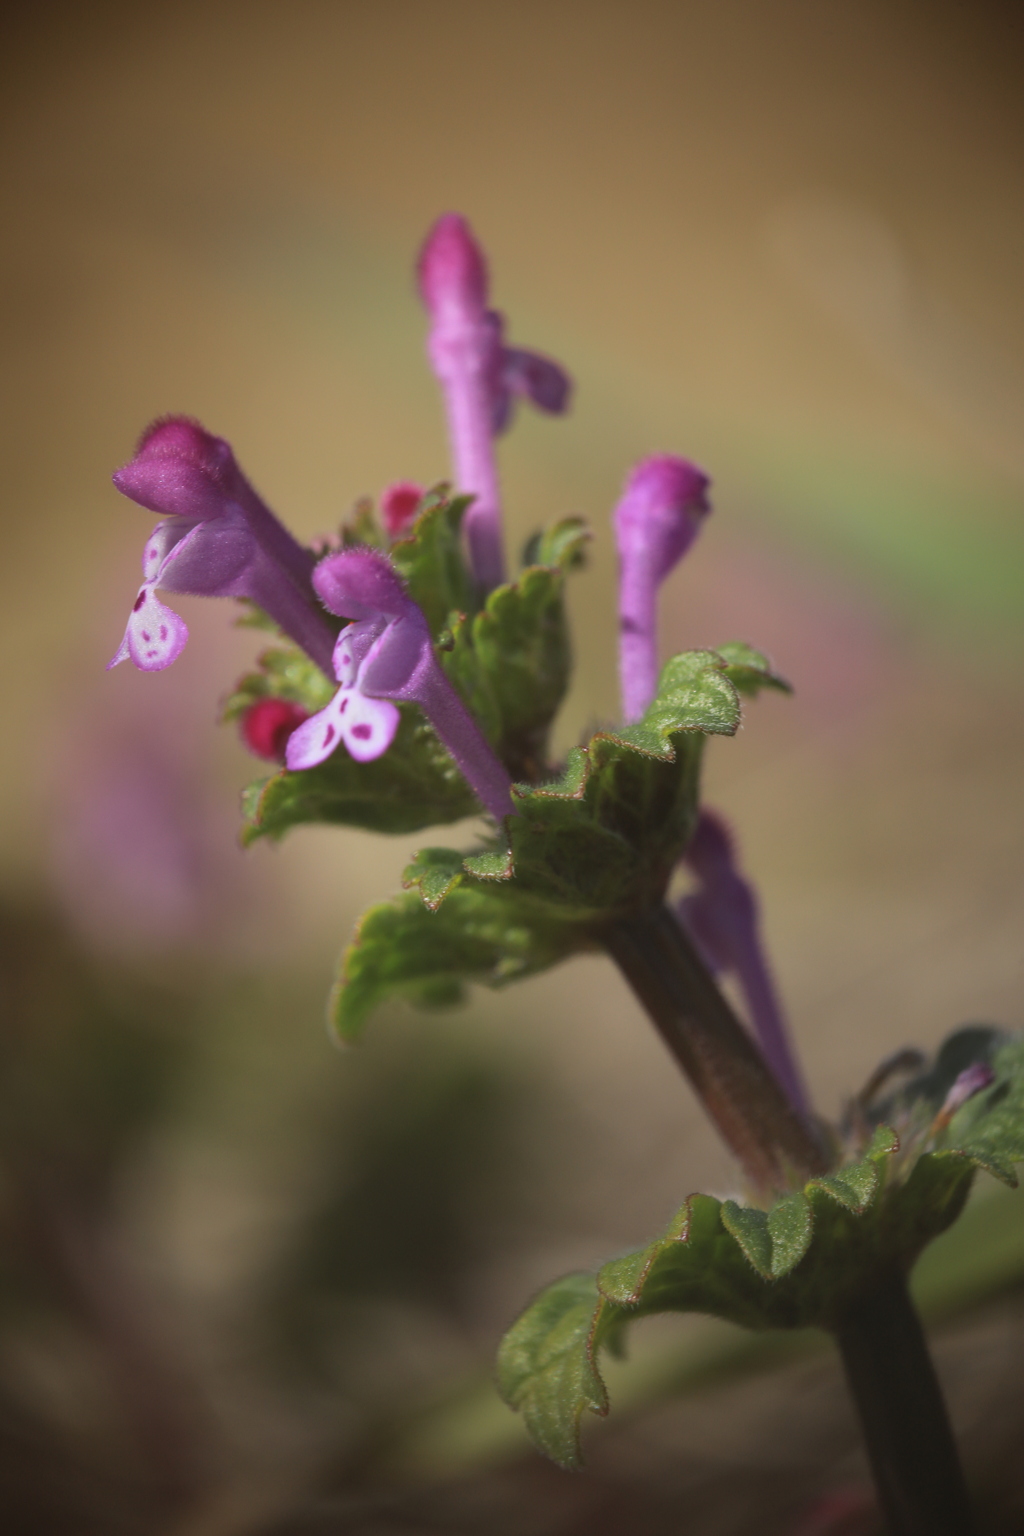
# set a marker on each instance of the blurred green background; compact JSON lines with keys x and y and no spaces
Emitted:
{"x":248,"y":1284}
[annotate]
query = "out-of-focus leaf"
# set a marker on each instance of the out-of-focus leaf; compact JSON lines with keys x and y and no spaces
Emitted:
{"x":403,"y":949}
{"x":749,"y":670}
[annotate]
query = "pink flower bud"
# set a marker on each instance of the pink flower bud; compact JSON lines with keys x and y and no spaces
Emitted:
{"x":268,"y":724}
{"x":399,"y":505}
{"x":658,"y":517}
{"x":481,"y":378}
{"x":452,"y":273}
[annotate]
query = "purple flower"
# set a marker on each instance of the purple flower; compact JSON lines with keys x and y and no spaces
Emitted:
{"x":386,"y":654}
{"x":481,"y":378}
{"x":217,"y":540}
{"x":656,"y":521}
{"x":721,"y":916}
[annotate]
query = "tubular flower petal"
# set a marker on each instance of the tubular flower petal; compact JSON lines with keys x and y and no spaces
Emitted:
{"x":386,"y":654}
{"x":657,"y":519}
{"x":218,"y":540}
{"x":721,"y":916}
{"x":480,"y":378}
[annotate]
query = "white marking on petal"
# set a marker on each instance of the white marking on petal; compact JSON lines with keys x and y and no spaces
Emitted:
{"x":316,"y":738}
{"x":155,"y":635}
{"x":369,"y":726}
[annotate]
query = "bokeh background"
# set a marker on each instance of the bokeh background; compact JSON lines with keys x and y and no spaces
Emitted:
{"x":253,"y":1286}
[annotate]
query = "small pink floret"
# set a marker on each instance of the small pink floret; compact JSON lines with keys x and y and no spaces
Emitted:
{"x":398,"y":506}
{"x":267,"y":726}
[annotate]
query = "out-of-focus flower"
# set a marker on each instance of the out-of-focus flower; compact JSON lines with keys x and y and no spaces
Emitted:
{"x":481,"y":378}
{"x":656,"y":520}
{"x":218,"y":540}
{"x":721,"y":916}
{"x":386,"y":654}
{"x":398,"y":506}
{"x":267,"y":725}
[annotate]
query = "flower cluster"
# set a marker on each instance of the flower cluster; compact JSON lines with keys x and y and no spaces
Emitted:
{"x":217,"y":538}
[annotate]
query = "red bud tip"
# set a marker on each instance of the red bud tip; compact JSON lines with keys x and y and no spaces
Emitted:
{"x":267,"y":726}
{"x":398,"y":506}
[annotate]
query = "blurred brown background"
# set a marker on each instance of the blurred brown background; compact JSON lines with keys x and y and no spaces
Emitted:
{"x":784,"y":239}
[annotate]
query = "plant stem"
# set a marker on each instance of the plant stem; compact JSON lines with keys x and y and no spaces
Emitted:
{"x":718,"y":1056}
{"x":910,"y":1444}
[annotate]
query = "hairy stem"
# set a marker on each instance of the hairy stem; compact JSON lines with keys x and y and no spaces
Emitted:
{"x":750,"y":1110}
{"x":898,"y":1398}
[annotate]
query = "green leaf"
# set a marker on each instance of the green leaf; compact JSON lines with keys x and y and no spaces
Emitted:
{"x":510,"y":663}
{"x":403,"y":949}
{"x":749,"y":670}
{"x":413,"y":785}
{"x":283,"y":672}
{"x":361,"y":527}
{"x":694,"y":694}
{"x":604,"y":838}
{"x":790,"y":1225}
{"x":801,"y":1263}
{"x":773,"y":1241}
{"x":434,"y":872}
{"x":750,"y":1229}
{"x":600,"y":840}
{"x":431,"y":561}
{"x":563,"y":545}
{"x":546,"y":1367}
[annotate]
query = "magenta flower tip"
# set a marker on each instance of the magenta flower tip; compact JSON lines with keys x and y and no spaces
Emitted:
{"x":657,"y":518}
{"x":664,"y":502}
{"x":452,"y":271}
{"x":360,"y":584}
{"x":179,"y":470}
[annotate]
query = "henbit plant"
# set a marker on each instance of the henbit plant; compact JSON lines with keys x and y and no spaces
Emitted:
{"x":435,"y":702}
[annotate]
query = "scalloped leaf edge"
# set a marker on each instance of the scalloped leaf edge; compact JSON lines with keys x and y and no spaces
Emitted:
{"x":773,"y":1243}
